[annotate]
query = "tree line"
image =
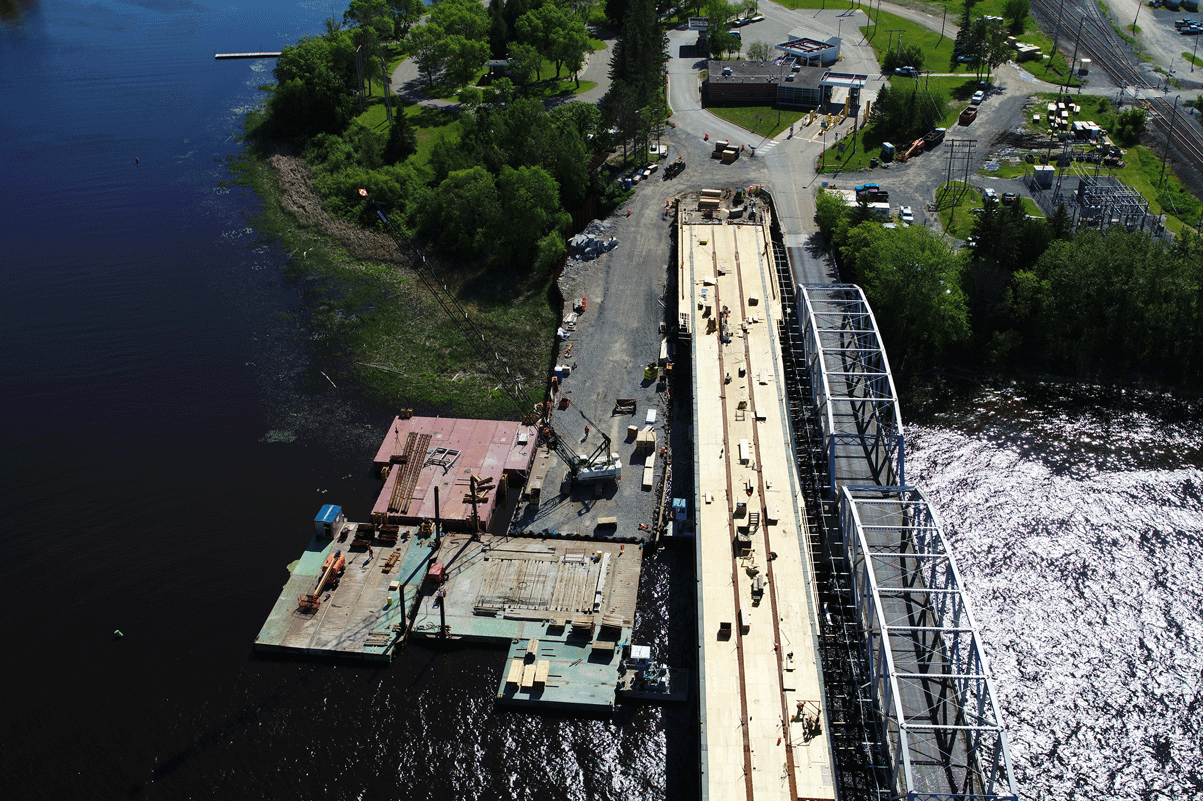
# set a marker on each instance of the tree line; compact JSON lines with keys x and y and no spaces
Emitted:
{"x":1028,"y":295}
{"x":499,"y":188}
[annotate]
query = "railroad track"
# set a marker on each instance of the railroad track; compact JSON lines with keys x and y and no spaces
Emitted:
{"x":1107,"y":51}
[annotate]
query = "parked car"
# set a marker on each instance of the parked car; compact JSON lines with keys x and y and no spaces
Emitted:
{"x":909,"y":72}
{"x":978,"y":97}
{"x":966,"y":59}
{"x":989,"y":194}
{"x":1008,"y":198}
{"x":906,"y":214}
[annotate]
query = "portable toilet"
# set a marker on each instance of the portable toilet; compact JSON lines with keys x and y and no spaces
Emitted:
{"x":680,"y":511}
{"x":887,"y":152}
{"x":329,"y":522}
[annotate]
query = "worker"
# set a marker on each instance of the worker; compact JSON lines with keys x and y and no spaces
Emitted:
{"x":586,"y":431}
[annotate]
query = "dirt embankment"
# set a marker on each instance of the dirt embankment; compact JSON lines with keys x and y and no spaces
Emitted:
{"x":299,"y":199}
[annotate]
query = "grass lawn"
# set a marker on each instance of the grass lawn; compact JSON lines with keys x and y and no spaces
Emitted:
{"x":937,"y":49}
{"x":1198,"y":62}
{"x":1030,"y":207}
{"x":955,"y":202}
{"x":761,"y":120}
{"x":869,"y":139}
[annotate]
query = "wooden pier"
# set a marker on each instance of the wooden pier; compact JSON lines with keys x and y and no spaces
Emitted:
{"x":224,"y":56}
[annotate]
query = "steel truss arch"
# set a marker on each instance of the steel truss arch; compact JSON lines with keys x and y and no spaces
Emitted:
{"x":852,"y":388}
{"x":931,"y":681}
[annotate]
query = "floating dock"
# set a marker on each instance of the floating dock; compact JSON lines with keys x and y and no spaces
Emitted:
{"x":423,"y":567}
{"x":574,"y":599}
{"x":366,"y":614}
{"x":225,"y":56}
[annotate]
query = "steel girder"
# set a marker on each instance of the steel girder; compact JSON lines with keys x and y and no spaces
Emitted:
{"x":932,"y":684}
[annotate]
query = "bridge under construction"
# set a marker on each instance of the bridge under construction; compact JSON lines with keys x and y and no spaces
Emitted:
{"x":838,"y":655}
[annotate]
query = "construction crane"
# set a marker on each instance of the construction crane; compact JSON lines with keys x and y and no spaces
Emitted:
{"x":581,"y":468}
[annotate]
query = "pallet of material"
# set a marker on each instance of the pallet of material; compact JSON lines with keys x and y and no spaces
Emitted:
{"x":515,"y":675}
{"x":388,"y":535}
{"x":542,"y":669}
{"x":649,"y":476}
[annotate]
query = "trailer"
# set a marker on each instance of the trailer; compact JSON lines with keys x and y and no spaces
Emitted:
{"x":968,"y":115}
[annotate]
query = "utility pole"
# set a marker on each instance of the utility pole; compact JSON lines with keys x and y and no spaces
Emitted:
{"x":1168,"y":139}
{"x":945,"y":17}
{"x":890,"y":41}
{"x":1074,"y":60}
{"x":1057,"y":27}
{"x":388,"y":92}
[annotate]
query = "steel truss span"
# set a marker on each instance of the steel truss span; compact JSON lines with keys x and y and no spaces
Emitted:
{"x":852,"y":388}
{"x":930,"y":680}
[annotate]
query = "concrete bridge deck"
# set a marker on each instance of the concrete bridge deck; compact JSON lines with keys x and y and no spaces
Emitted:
{"x":764,"y":731}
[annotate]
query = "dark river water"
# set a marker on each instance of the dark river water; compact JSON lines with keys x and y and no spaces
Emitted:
{"x":167,"y":438}
{"x":166,"y":441}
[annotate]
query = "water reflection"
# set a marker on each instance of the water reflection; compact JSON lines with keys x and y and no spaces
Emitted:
{"x":1076,"y":520}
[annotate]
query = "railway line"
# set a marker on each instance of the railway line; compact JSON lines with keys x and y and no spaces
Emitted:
{"x":1090,"y":29}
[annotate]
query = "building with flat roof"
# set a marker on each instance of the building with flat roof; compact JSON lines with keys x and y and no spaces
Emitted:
{"x":782,"y":81}
{"x":812,"y":52}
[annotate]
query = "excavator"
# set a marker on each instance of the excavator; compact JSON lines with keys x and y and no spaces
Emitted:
{"x":332,"y":569}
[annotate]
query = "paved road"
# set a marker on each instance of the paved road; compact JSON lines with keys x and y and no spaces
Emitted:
{"x":785,"y":164}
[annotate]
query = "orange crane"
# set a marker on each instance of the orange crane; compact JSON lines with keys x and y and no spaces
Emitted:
{"x":332,"y":568}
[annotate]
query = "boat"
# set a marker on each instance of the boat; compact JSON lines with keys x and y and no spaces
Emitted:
{"x":644,"y":680}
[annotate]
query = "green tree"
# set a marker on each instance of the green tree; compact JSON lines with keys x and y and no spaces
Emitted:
{"x":406,"y":14}
{"x":402,"y":139}
{"x":464,"y":58}
{"x":315,"y":79}
{"x":568,"y":44}
{"x":428,"y":48}
{"x":373,"y":14}
{"x":912,"y":280}
{"x":524,"y":61}
{"x":1129,"y":126}
{"x":831,"y":213}
{"x":530,"y":204}
{"x":1017,"y":11}
{"x":499,"y":29}
{"x":466,"y":18}
{"x":758,"y":51}
{"x":463,"y":214}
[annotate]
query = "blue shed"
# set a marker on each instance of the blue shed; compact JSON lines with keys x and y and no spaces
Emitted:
{"x":329,"y":522}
